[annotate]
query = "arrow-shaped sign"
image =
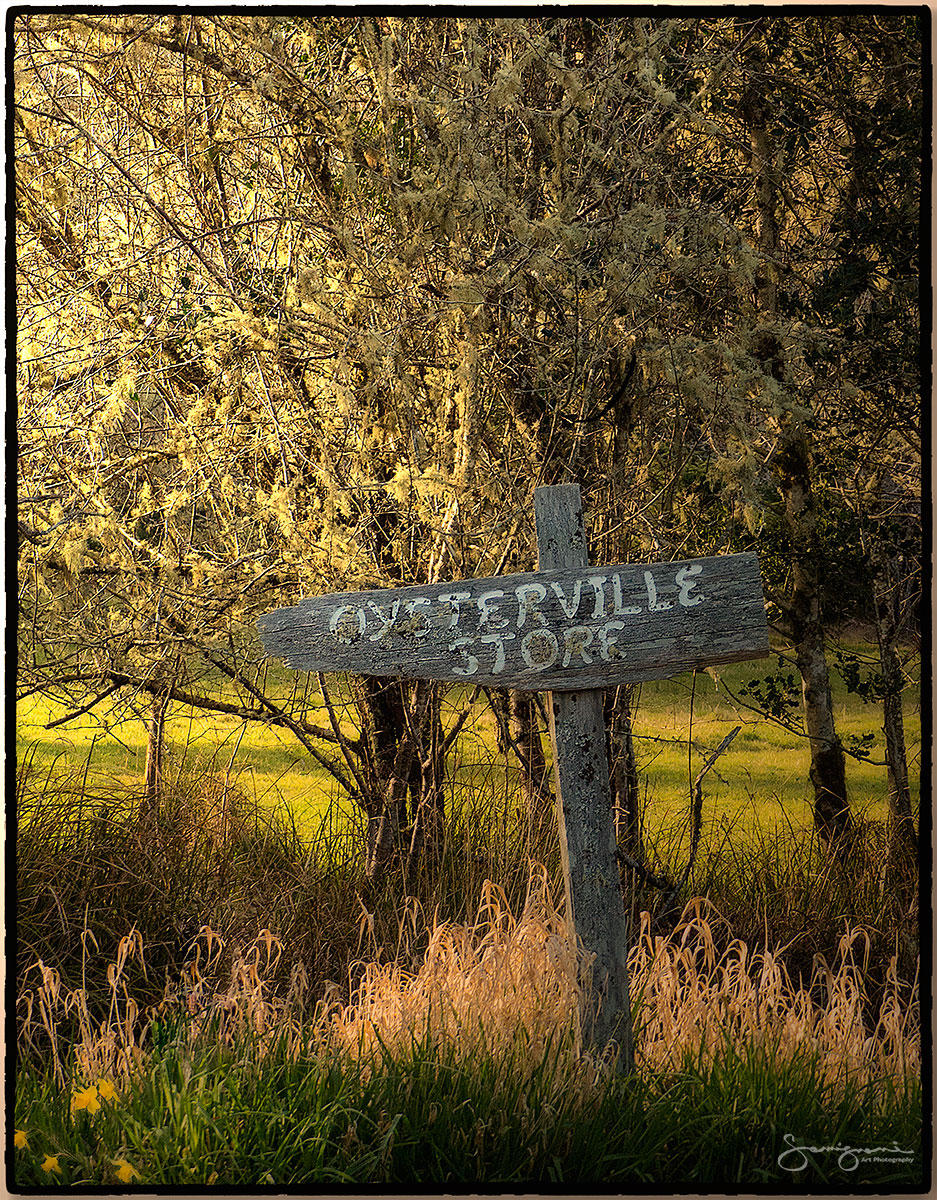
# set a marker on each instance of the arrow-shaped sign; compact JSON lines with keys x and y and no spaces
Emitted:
{"x":554,"y":630}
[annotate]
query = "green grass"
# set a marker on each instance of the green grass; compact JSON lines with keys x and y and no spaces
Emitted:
{"x":433,"y":1117}
{"x":760,"y":784}
{"x":244,"y":1116}
{"x":265,"y":762}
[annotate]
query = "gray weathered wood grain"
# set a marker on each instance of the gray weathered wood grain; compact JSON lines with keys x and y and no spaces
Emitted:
{"x":584,"y":805}
{"x":560,"y":629}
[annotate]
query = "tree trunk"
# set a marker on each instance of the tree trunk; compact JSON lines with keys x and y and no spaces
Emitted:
{"x":386,"y":831}
{"x":832,"y":817}
{"x":153,"y":771}
{"x":535,"y":778}
{"x":792,"y":467}
{"x":402,"y":769}
{"x":624,"y":773}
{"x":426,"y":773}
{"x":380,"y":705}
{"x":902,"y":840}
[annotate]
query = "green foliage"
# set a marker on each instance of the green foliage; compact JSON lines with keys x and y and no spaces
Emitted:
{"x":431,"y":1117}
{"x":777,"y":695}
{"x":869,"y":687}
{"x":313,"y":303}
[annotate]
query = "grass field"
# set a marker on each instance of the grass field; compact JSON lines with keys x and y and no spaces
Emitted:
{"x":761,"y":782}
{"x":465,"y":1071}
{"x":246,"y":1011}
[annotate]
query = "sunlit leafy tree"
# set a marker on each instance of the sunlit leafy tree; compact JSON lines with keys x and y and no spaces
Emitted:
{"x":791,"y":111}
{"x":313,"y":303}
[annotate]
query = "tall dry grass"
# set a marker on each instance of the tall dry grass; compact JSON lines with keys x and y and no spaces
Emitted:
{"x":482,"y":986}
{"x":693,"y":1000}
{"x":89,"y":869}
{"x":487,"y":988}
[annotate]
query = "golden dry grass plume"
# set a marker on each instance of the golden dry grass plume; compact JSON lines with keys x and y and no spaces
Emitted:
{"x":507,"y":981}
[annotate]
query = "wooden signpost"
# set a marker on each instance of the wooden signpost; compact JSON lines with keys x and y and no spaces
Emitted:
{"x":568,"y":629}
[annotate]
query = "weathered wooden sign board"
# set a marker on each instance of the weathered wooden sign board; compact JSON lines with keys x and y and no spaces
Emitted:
{"x":568,"y":629}
{"x":552,"y":630}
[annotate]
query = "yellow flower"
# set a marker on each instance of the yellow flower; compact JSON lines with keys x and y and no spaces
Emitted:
{"x":87,"y":1099}
{"x":20,"y":1140}
{"x":106,"y":1090}
{"x":125,"y":1172}
{"x":51,"y":1163}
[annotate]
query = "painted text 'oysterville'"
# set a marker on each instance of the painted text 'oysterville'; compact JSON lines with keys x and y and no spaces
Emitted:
{"x":567,"y":629}
{"x":484,"y":623}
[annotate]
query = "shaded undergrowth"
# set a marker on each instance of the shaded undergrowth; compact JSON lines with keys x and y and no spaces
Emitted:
{"x":205,"y":996}
{"x":466,"y":1069}
{"x":90,"y":869}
